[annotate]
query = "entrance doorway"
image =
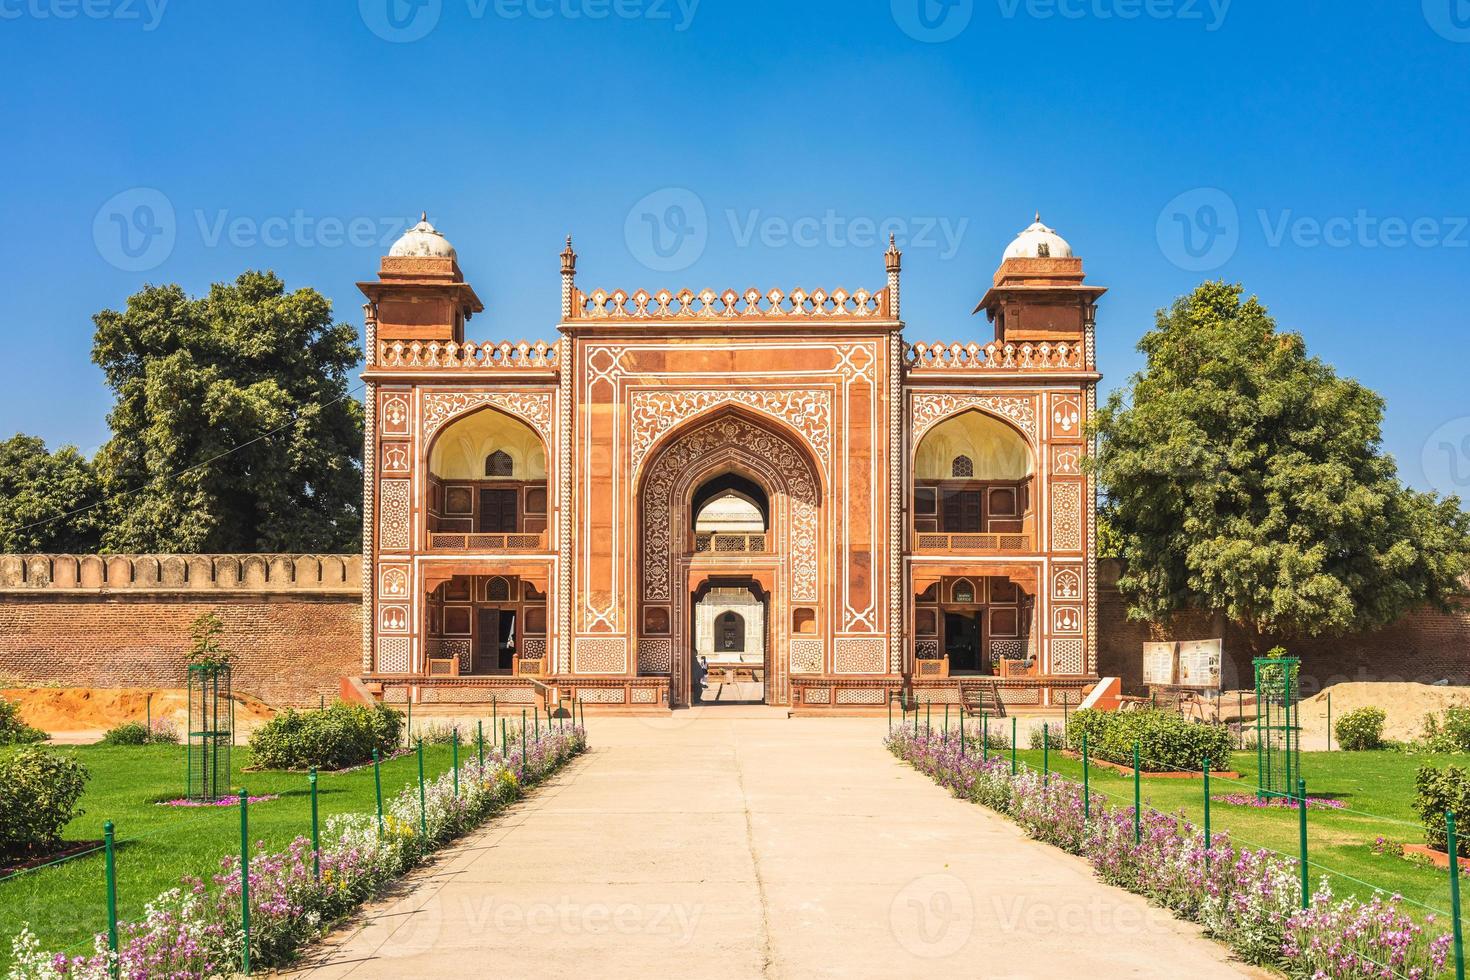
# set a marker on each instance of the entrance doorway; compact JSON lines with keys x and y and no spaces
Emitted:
{"x":729,"y":656}
{"x":495,"y":640}
{"x":962,"y":636}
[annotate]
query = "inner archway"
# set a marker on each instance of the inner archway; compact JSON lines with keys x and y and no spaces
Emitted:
{"x":755,"y":487}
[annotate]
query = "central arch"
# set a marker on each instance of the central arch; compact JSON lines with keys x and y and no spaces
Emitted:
{"x":787,"y":566}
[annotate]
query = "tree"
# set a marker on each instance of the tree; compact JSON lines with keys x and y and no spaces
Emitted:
{"x":1247,"y":478}
{"x":233,"y":429}
{"x":38,"y":489}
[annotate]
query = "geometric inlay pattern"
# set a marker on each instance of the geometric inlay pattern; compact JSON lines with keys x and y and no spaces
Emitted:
{"x":656,"y":412}
{"x":655,"y":655}
{"x":859,"y":655}
{"x":600,"y":655}
{"x":806,"y":656}
{"x":1066,"y":515}
{"x":392,"y":655}
{"x":393,"y":515}
{"x":1067,"y":657}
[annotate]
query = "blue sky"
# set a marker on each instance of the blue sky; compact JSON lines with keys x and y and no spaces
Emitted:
{"x":1318,"y":152}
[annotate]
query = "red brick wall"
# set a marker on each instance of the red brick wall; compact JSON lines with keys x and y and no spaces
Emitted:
{"x":1425,"y":646}
{"x":289,"y":649}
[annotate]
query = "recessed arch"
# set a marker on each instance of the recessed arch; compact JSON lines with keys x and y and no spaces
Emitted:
{"x":995,"y":448}
{"x":461,"y":448}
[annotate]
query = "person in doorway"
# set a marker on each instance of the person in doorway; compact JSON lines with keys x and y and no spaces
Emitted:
{"x":701,"y":677}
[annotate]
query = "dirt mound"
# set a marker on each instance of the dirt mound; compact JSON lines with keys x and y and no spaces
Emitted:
{"x":1405,"y":704}
{"x":75,"y":713}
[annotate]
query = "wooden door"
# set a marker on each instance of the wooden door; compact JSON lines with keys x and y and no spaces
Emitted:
{"x":499,"y":511}
{"x":961,"y":512}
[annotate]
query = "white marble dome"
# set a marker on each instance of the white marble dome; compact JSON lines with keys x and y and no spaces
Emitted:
{"x":1039,"y":242}
{"x":423,"y":240}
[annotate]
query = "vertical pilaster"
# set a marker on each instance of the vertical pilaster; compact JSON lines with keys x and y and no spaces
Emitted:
{"x":893,"y":261}
{"x":566,"y":368}
{"x":369,"y":484}
{"x":1090,"y":352}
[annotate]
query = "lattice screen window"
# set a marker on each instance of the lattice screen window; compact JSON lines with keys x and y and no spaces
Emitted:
{"x":499,"y":463}
{"x":499,"y":590}
{"x":963,"y":466}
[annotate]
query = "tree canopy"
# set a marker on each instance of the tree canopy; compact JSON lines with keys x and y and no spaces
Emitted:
{"x":233,"y":428}
{"x":1244,"y":476}
{"x":38,"y":489}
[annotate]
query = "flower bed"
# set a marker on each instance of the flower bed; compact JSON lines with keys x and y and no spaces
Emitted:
{"x":1248,"y":899}
{"x":1277,"y":802}
{"x":193,"y":931}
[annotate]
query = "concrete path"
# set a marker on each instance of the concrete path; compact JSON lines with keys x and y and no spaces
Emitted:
{"x":727,"y":842}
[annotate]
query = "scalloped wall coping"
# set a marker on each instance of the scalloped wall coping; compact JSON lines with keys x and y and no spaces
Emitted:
{"x":181,"y":573}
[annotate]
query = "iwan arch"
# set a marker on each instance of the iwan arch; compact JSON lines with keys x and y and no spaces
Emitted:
{"x":777,"y":483}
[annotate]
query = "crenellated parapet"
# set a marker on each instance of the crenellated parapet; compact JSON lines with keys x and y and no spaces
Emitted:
{"x":182,"y":573}
{"x":539,"y":357}
{"x":751,"y":305}
{"x":994,"y":357}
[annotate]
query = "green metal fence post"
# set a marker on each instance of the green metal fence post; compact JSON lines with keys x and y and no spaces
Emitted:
{"x":1329,"y":721}
{"x":108,"y":842}
{"x":962,"y":735}
{"x":1240,"y":716}
{"x":316,"y":836}
{"x":423,"y":795}
{"x":1208,"y":839}
{"x":984,"y":737}
{"x":523,"y":743}
{"x":245,"y":882}
{"x":1045,"y":754}
{"x":1301,"y":805}
{"x":1454,"y":849}
{"x":504,"y":742}
{"x":1086,"y":784}
{"x":480,"y":741}
{"x":454,"y":757}
{"x":928,"y":714}
{"x":408,"y":727}
{"x":1137,"y":800}
{"x":536,"y":718}
{"x":890,"y":714}
{"x":946,"y":721}
{"x":1013,"y":745}
{"x":378,"y":788}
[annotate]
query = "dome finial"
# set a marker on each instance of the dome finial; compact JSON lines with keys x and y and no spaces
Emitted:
{"x":423,"y":216}
{"x":423,"y":240}
{"x":1038,"y":217}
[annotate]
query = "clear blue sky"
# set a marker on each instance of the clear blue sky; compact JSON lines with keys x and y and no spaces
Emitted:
{"x":795,"y":127}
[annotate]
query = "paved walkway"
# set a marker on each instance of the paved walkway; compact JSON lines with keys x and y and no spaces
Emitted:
{"x":729,"y":843}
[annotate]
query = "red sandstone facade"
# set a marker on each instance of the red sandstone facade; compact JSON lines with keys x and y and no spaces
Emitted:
{"x":533,"y":511}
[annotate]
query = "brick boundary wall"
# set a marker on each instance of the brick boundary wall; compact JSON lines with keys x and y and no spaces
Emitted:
{"x":1426,"y":646}
{"x":293,"y":621}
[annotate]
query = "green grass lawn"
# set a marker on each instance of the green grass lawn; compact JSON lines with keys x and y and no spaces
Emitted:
{"x":1377,"y":787}
{"x":65,"y":905}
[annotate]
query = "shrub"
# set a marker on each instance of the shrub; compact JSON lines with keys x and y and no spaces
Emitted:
{"x":1452,"y":734}
{"x":13,"y":731}
{"x":333,"y":738}
{"x":1361,"y":730}
{"x":136,"y":733}
{"x":39,"y":791}
{"x":1166,"y":741}
{"x":1435,"y":792}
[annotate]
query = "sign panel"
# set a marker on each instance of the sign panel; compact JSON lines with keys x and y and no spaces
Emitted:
{"x":1199,"y":664}
{"x":1158,"y":664}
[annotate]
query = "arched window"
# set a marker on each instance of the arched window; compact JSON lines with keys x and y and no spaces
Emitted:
{"x":963,"y":592}
{"x":498,"y":590}
{"x":499,"y":463}
{"x":730,"y":633}
{"x":963,"y":466}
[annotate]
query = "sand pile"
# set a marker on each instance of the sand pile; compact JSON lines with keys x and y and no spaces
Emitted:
{"x":84,"y":713}
{"x":1405,"y":704}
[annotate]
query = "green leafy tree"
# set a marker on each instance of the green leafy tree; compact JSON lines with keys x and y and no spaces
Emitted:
{"x":38,"y":490}
{"x":233,"y":429}
{"x":1245,"y":477}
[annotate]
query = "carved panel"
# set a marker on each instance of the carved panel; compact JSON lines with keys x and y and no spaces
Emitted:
{"x":1067,"y":619}
{"x":1067,"y":657}
{"x":1066,"y":460}
{"x":532,"y":407}
{"x":601,"y":695}
{"x":393,"y":515}
{"x":1066,"y":583}
{"x":393,"y":618}
{"x":600,"y":655}
{"x":392,"y":582}
{"x":655,"y":655}
{"x":393,"y":654}
{"x":859,"y":654}
{"x":657,"y":412}
{"x":393,"y":414}
{"x":1066,"y":417}
{"x":394,"y":457}
{"x":932,"y":407}
{"x":806,"y":656}
{"x":861,"y":695}
{"x":645,"y":695}
{"x":818,"y":695}
{"x":1066,"y":515}
{"x":926,"y":649}
{"x":1007,"y":650}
